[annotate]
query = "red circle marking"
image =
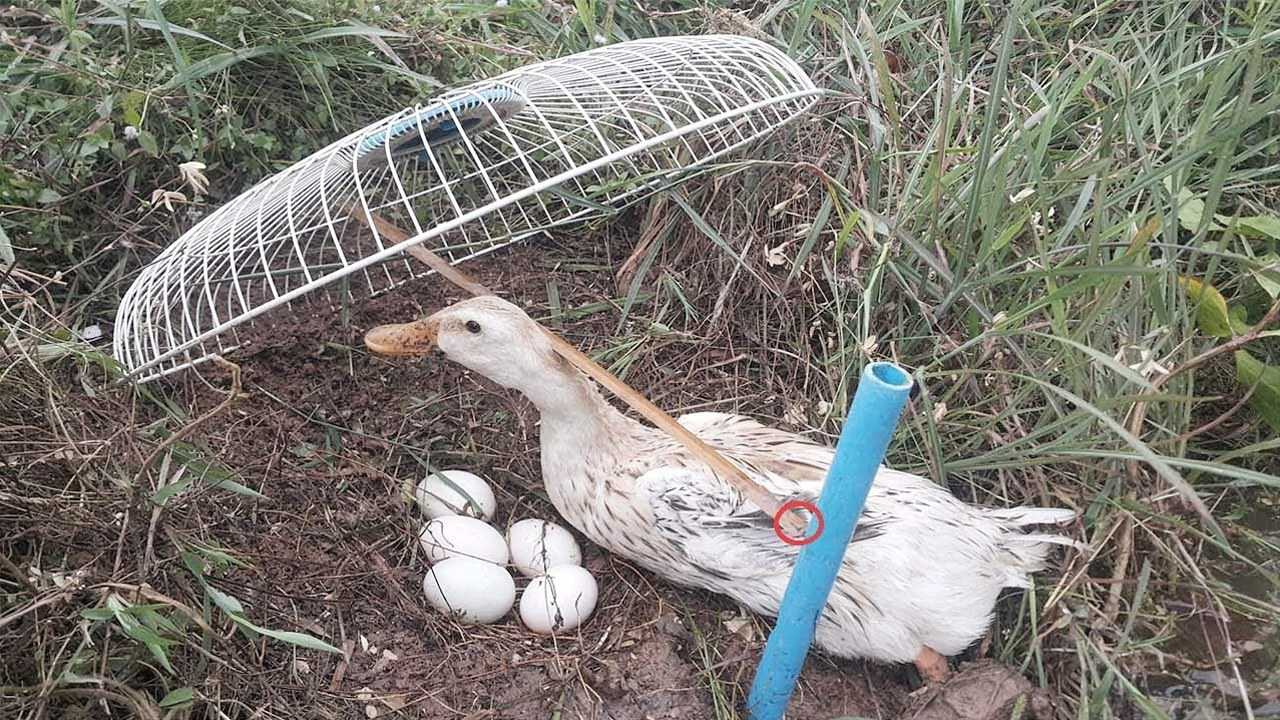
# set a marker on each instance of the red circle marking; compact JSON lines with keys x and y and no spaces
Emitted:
{"x":787,"y":507}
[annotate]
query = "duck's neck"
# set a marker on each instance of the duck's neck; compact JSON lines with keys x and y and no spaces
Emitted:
{"x":571,"y":403}
{"x":584,"y":440}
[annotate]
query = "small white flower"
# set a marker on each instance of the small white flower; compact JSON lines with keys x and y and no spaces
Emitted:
{"x":130,"y":132}
{"x":600,"y":39}
{"x":377,"y":8}
{"x":500,"y":3}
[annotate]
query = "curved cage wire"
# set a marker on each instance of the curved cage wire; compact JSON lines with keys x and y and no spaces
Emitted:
{"x":480,"y":167}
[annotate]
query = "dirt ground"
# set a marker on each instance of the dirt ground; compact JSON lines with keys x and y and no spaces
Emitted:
{"x":339,"y":545}
{"x":332,"y":437}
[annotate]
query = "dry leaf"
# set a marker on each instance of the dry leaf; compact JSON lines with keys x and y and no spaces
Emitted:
{"x":193,"y":175}
{"x":395,"y":702}
{"x":1140,"y":360}
{"x":939,"y":411}
{"x":870,"y":345}
{"x":742,"y":627}
{"x":1021,"y":195}
{"x":794,"y":414}
{"x":775,"y":256}
{"x":167,"y":198}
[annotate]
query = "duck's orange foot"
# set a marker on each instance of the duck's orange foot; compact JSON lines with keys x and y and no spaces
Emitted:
{"x":932,"y":666}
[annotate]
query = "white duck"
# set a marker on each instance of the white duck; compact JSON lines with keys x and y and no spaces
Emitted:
{"x":920,"y":578}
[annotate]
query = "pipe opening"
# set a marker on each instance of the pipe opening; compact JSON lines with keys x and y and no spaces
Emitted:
{"x":891,"y":375}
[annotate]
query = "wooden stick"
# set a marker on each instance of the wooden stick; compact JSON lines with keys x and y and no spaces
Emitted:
{"x":793,"y":521}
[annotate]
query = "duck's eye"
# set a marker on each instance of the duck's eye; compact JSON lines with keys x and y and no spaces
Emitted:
{"x":473,"y":327}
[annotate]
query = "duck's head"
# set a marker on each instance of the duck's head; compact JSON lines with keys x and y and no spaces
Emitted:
{"x":485,"y":334}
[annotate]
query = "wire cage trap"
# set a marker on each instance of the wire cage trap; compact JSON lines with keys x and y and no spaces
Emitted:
{"x":480,"y":167}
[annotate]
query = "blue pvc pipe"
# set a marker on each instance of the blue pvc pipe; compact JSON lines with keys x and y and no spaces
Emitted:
{"x":882,"y":392}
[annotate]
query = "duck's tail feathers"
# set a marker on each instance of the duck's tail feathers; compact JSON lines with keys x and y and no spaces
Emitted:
{"x":1042,"y":539}
{"x":1028,"y":552}
{"x":1021,"y":516}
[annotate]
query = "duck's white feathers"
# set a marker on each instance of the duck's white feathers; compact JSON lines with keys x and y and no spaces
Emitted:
{"x":923,"y":568}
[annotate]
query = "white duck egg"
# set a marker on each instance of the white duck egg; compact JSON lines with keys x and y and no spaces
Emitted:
{"x":537,"y":545}
{"x":462,"y":536}
{"x":456,"y":492}
{"x":473,"y":591}
{"x":560,"y":600}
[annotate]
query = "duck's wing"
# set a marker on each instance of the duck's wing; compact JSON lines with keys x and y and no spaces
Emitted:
{"x":795,"y":465}
{"x":713,"y":524}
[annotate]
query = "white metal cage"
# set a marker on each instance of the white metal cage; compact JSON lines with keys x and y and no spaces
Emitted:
{"x":480,"y":167}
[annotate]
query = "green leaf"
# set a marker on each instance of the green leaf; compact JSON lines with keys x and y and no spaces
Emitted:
{"x":133,"y":628}
{"x":1212,"y":314}
{"x":293,"y":638}
{"x":217,"y":63}
{"x":162,"y":495}
{"x":48,"y":196}
{"x":224,"y":482}
{"x":356,"y":29}
{"x":1266,"y":398}
{"x":1009,"y":233}
{"x":153,"y":616}
{"x":153,"y":25}
{"x":132,"y":107}
{"x":1237,"y":317}
{"x":178,"y":698}
{"x":158,"y":652}
{"x":300,"y":639}
{"x":228,"y":603}
{"x":148,"y":143}
{"x":212,"y":474}
{"x":1191,"y":212}
{"x":1268,"y":225}
{"x":1268,"y":276}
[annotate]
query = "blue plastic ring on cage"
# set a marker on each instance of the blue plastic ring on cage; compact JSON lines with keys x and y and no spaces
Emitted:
{"x":439,"y":124}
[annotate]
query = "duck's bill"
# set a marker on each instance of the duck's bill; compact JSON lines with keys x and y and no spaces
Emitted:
{"x":406,"y":340}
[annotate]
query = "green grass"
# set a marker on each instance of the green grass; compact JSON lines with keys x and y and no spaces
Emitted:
{"x":1009,"y":198}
